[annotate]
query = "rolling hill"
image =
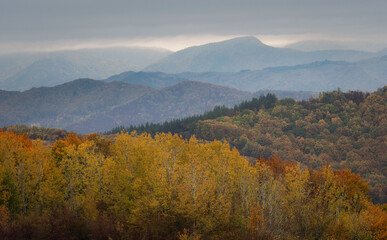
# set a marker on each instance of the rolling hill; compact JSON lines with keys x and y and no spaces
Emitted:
{"x":65,"y":104}
{"x":4,"y":95}
{"x":150,"y":79}
{"x":178,"y":101}
{"x":87,"y":105}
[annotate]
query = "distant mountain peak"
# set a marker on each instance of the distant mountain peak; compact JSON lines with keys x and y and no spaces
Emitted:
{"x":237,"y":42}
{"x":226,"y":56}
{"x":246,"y":39}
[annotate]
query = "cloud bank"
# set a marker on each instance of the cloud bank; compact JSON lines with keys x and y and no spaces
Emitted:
{"x":31,"y":23}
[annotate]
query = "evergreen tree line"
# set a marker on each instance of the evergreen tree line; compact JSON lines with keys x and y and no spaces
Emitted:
{"x":187,"y":126}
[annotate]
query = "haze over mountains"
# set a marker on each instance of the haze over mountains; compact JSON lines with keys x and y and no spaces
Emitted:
{"x":245,"y":53}
{"x":23,"y":71}
{"x":318,"y":45}
{"x":195,"y":80}
{"x":365,"y":75}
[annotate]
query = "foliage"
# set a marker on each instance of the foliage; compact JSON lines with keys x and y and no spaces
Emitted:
{"x":166,"y":187}
{"x":343,"y":129}
{"x":46,"y":134}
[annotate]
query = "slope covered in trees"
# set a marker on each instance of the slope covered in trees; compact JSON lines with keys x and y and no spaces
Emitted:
{"x":164,"y":187}
{"x":187,"y":126}
{"x":180,"y":100}
{"x":345,"y":130}
{"x":66,"y":104}
{"x":46,"y":134}
{"x":150,"y":79}
{"x":87,"y":105}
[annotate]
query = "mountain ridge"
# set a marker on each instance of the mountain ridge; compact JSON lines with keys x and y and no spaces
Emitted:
{"x":242,"y":53}
{"x":83,"y":100}
{"x":68,"y":102}
{"x":366,"y":75}
{"x":151,"y":79}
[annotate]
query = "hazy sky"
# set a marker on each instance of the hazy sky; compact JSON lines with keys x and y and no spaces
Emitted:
{"x":175,"y":24}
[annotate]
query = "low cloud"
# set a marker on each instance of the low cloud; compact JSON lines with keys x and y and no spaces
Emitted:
{"x":28,"y":24}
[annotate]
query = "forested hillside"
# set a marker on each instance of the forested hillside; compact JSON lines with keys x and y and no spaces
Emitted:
{"x":150,"y":79}
{"x":341,"y":129}
{"x":65,"y":104}
{"x":49,"y":135}
{"x":87,"y":105}
{"x":164,"y":187}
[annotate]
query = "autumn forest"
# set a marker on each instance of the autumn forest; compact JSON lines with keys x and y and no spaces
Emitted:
{"x":265,"y":169}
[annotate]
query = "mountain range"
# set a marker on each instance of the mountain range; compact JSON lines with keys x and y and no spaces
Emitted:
{"x":245,"y":53}
{"x":22,"y":71}
{"x":365,"y":75}
{"x":87,"y":105}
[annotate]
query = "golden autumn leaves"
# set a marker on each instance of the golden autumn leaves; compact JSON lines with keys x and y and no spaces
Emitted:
{"x":164,"y":187}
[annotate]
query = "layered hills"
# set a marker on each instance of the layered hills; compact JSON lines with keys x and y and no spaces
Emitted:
{"x":150,"y":79}
{"x":244,"y":63}
{"x":87,"y":105}
{"x":180,"y":100}
{"x":365,"y":75}
{"x":133,"y":98}
{"x":212,"y":157}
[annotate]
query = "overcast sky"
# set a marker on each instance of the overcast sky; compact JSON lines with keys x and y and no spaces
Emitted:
{"x":175,"y":24}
